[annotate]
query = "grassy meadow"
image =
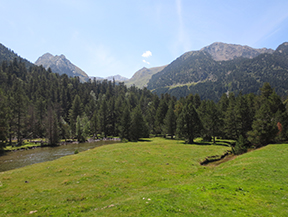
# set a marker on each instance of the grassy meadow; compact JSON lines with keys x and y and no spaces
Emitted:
{"x":156,"y":177}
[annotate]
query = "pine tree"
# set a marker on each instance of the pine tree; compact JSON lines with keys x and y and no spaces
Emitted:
{"x":170,"y":120}
{"x":138,"y":127}
{"x":19,"y":110}
{"x":230,"y":128}
{"x":243,"y":117}
{"x":211,"y":120}
{"x":103,"y":115}
{"x":65,"y":131}
{"x":79,"y":129}
{"x":125,"y":122}
{"x":240,"y":146}
{"x":222,"y":108}
{"x":264,"y":128}
{"x":3,"y":120}
{"x":85,"y":127}
{"x":188,"y":123}
{"x":160,"y":115}
{"x":94,"y":124}
{"x":75,"y":111}
{"x":52,"y":127}
{"x":280,"y":115}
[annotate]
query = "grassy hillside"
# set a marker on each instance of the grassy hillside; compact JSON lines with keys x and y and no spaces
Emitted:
{"x":154,"y":178}
{"x":141,"y":77}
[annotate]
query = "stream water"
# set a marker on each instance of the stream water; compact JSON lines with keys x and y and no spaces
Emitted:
{"x":21,"y":158}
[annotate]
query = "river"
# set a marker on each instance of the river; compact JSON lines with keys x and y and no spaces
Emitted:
{"x":22,"y":158}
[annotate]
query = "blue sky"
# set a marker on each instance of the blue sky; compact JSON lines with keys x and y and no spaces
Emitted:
{"x":112,"y":37}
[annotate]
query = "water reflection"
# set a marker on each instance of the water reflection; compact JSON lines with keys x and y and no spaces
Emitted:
{"x":21,"y":158}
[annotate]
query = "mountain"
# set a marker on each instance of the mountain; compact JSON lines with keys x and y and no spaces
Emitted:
{"x":222,"y":51}
{"x":9,"y":55}
{"x":141,"y":77}
{"x":97,"y":78}
{"x":117,"y":78}
{"x":61,"y":65}
{"x":244,"y":69}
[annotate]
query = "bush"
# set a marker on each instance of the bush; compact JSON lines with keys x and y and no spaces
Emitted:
{"x":240,"y":147}
{"x":207,"y":138}
{"x":124,"y":140}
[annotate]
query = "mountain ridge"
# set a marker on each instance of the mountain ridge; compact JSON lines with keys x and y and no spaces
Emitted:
{"x":222,"y":51}
{"x":143,"y":75}
{"x":117,"y":78}
{"x":198,"y":72}
{"x":8,"y":55}
{"x":61,"y":65}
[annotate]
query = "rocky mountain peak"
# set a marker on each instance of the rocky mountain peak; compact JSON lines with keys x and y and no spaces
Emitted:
{"x":60,"y":64}
{"x":222,"y":51}
{"x":283,"y":48}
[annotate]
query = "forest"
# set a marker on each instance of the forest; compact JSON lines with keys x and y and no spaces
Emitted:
{"x":37,"y":103}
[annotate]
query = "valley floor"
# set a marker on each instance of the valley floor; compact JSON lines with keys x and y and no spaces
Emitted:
{"x":157,"y":177}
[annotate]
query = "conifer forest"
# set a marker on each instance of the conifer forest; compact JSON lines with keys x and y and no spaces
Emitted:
{"x":36,"y":103}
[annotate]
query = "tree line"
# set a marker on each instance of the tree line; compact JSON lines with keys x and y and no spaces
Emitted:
{"x":36,"y":103}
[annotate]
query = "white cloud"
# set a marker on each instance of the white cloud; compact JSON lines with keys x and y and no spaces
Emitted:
{"x":144,"y":61}
{"x":147,"y":54}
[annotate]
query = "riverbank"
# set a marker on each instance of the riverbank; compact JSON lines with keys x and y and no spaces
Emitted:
{"x":16,"y":159}
{"x":32,"y":144}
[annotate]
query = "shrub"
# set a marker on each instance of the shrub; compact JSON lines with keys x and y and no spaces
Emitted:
{"x":240,"y":146}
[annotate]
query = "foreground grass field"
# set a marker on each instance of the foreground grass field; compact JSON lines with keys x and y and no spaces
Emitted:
{"x":154,"y":178}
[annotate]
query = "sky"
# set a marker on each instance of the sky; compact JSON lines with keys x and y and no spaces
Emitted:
{"x":111,"y":37}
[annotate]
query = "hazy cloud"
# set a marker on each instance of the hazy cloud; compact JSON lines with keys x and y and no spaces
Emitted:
{"x":144,"y":61}
{"x":183,"y":38}
{"x":147,"y":54}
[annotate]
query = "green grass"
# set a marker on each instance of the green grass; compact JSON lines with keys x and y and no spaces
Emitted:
{"x":154,"y":178}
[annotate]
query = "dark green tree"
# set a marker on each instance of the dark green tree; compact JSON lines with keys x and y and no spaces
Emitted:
{"x":240,"y":146}
{"x":160,"y":115}
{"x":170,"y":120}
{"x":210,"y":117}
{"x":230,"y":128}
{"x":125,"y":122}
{"x":82,"y":128}
{"x":243,"y":116}
{"x":138,"y":127}
{"x":264,"y":127}
{"x":3,"y":120}
{"x":188,"y":123}
{"x":19,"y":110}
{"x":75,"y":111}
{"x":103,"y":116}
{"x":94,"y":124}
{"x":65,"y":131}
{"x":52,"y":125}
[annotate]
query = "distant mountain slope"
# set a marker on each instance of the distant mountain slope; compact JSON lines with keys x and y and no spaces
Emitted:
{"x":9,"y":55}
{"x":197,"y":72}
{"x":141,"y":77}
{"x":117,"y":78}
{"x":60,"y":64}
